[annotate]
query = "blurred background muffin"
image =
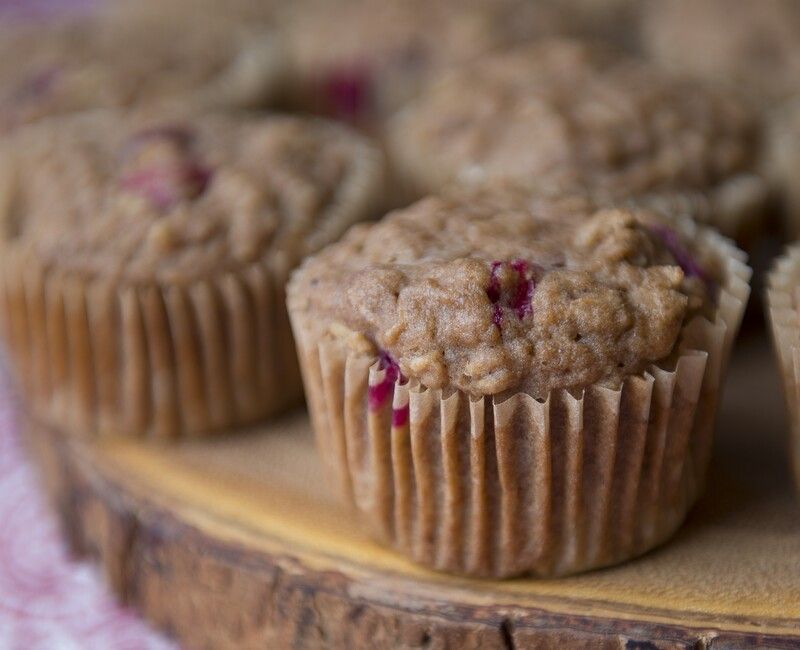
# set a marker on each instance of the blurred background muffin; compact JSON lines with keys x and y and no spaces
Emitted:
{"x":360,"y":60}
{"x":137,"y":54}
{"x":143,"y":262}
{"x":750,"y":46}
{"x":565,"y":113}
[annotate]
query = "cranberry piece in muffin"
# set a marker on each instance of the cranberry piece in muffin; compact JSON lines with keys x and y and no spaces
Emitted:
{"x":161,"y":166}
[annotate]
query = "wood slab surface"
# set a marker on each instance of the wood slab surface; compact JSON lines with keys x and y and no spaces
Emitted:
{"x":237,"y":542}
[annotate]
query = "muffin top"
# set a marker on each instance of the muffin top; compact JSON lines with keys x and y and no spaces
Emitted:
{"x":565,"y":112}
{"x":369,"y":57}
{"x":132,"y":55}
{"x":111,"y":195}
{"x":493,"y":293}
{"x":750,"y":45}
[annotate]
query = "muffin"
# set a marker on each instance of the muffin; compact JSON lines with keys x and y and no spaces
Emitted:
{"x":143,"y":263}
{"x":360,"y":60}
{"x":135,"y":54}
{"x":752,"y":46}
{"x":564,"y":113}
{"x":506,"y":385}
{"x":784,"y":316}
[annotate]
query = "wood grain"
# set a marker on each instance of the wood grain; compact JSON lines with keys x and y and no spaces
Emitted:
{"x":238,"y":543}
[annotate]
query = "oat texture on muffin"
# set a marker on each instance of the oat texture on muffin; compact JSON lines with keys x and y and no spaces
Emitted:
{"x":462,"y":296}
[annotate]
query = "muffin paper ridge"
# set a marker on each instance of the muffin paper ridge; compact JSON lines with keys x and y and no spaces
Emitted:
{"x":148,"y":360}
{"x":476,"y":486}
{"x":781,"y":299}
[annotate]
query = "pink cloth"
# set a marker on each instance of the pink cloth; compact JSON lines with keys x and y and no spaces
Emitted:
{"x":47,"y":600}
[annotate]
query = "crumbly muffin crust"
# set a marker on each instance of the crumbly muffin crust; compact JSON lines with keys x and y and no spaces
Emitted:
{"x":360,"y":59}
{"x":134,"y":54}
{"x":140,"y":199}
{"x":490,"y":295}
{"x":753,"y":46}
{"x":568,"y":113}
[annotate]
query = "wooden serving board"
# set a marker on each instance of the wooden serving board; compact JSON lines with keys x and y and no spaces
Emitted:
{"x":238,"y":543}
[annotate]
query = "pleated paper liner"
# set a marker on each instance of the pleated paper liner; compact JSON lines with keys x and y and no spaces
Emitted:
{"x":93,"y":357}
{"x":783,"y":291}
{"x":479,"y":487}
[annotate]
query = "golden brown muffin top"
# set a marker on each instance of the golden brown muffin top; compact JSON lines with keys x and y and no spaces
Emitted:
{"x":492,"y":293}
{"x":751,"y":45}
{"x":133,"y":54}
{"x":561,"y":111}
{"x":111,"y":195}
{"x":370,"y":57}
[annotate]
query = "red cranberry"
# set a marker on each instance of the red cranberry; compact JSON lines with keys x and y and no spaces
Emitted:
{"x":170,"y":176}
{"x":165,"y":186}
{"x":520,"y":299}
{"x":683,"y":258}
{"x":378,"y":394}
{"x":347,"y":92}
{"x":400,"y":416}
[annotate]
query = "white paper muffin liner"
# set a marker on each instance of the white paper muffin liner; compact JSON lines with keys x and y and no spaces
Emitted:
{"x":151,"y":361}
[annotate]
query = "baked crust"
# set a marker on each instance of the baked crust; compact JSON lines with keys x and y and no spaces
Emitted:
{"x":488,"y":295}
